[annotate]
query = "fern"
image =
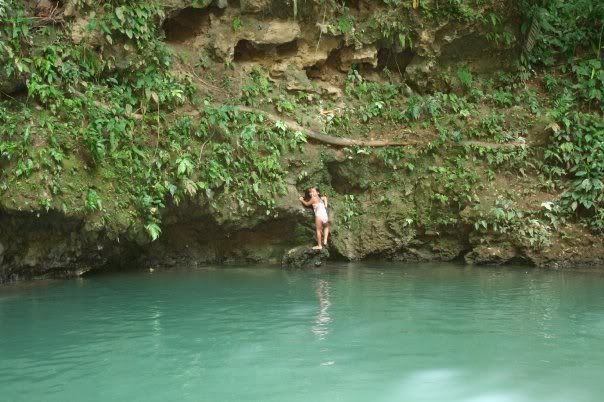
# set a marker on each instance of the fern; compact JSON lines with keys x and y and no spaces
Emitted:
{"x":153,"y":230}
{"x":531,"y":37}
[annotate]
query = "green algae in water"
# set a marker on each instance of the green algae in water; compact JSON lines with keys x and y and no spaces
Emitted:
{"x":351,"y":332}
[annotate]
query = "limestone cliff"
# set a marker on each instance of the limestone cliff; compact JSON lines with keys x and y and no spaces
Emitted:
{"x":137,"y":134}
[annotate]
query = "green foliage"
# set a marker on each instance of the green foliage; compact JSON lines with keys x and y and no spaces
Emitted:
{"x":236,"y":24}
{"x":465,"y":77}
{"x":504,"y":218}
{"x":15,"y":143}
{"x":93,"y":201}
{"x":503,"y":158}
{"x":454,"y":185}
{"x":15,"y":30}
{"x":577,"y":152}
{"x":392,"y":29}
{"x":285,"y":105}
{"x":434,"y":106}
{"x":347,"y":210}
{"x":98,"y":113}
{"x":116,"y":123}
{"x":154,"y":230}
{"x":396,"y":158}
{"x":184,"y":166}
{"x":589,"y":78}
{"x":24,"y":168}
{"x":375,"y":98}
{"x":561,"y":28}
{"x":502,"y":98}
{"x":257,"y":88}
{"x":482,"y":11}
{"x":567,"y":35}
{"x":345,"y":24}
{"x":373,"y":109}
{"x":499,"y":35}
{"x":246,"y":160}
{"x":130,"y":20}
{"x":493,"y":127}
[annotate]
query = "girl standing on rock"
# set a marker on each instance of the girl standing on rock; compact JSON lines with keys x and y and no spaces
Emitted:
{"x":319,"y":204}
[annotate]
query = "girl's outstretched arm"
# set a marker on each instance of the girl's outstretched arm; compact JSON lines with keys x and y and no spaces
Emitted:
{"x":305,"y":203}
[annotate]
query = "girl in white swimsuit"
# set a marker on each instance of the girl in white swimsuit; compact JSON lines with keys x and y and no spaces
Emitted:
{"x":319,"y":205}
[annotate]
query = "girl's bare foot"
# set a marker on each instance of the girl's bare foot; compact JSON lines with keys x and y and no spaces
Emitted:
{"x":317,"y":248}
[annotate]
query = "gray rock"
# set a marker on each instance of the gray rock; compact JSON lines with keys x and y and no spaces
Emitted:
{"x":407,"y":91}
{"x":304,"y":257}
{"x":491,"y":255}
{"x":254,"y":6}
{"x":11,"y":85}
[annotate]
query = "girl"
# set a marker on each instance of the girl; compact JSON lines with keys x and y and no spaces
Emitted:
{"x":319,"y":205}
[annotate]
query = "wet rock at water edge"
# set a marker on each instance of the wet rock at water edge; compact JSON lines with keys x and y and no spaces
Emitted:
{"x":304,"y":257}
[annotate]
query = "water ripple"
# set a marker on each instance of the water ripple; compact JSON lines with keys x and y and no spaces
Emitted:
{"x":355,"y":332}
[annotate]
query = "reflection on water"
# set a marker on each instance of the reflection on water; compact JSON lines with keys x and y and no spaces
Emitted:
{"x":351,"y":332}
{"x":156,"y":327}
{"x":322,"y":319}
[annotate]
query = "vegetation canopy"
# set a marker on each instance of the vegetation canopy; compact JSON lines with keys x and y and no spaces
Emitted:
{"x":103,"y":118}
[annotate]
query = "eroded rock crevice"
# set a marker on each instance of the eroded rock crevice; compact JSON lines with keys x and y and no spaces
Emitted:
{"x":325,"y":68}
{"x":394,"y":61}
{"x":188,"y":23}
{"x":248,"y":51}
{"x":251,"y":32}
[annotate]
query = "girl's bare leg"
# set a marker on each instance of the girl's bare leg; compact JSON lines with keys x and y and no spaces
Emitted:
{"x":325,"y":233}
{"x":319,"y":229}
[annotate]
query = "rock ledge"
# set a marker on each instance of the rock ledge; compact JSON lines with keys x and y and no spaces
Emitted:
{"x":304,"y":257}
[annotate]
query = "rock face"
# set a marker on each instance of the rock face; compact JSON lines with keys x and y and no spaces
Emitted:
{"x":368,"y":55}
{"x":254,"y":6}
{"x":308,"y":56}
{"x":39,"y":245}
{"x":11,"y":86}
{"x":304,"y":257}
{"x":55,"y":245}
{"x":257,"y":33}
{"x":51,"y":245}
{"x":1,"y":256}
{"x":264,"y":25}
{"x":491,"y":255}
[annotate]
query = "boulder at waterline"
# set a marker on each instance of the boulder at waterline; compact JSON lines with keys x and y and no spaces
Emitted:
{"x":304,"y":257}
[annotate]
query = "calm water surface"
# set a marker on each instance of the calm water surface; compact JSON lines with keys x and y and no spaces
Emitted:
{"x":352,"y":332}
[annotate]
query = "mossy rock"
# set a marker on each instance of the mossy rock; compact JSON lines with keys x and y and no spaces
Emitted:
{"x":304,"y":257}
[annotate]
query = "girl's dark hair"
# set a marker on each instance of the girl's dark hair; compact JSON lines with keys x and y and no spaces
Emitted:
{"x":307,"y":193}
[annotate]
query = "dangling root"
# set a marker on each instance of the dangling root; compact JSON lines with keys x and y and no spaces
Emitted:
{"x":323,"y":138}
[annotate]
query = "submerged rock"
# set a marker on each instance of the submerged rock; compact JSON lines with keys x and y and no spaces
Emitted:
{"x":304,"y":257}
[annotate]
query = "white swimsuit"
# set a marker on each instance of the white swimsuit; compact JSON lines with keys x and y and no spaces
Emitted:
{"x":321,"y":212}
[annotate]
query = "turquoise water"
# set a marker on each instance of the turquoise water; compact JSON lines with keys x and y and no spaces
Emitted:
{"x":351,"y":332}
